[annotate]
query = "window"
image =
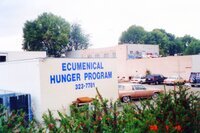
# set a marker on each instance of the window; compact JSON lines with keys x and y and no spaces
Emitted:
{"x":89,"y":56}
{"x":133,"y":88}
{"x":114,"y":55}
{"x":84,"y":56}
{"x":195,"y":77}
{"x":97,"y":56}
{"x":121,"y":87}
{"x":139,"y":87}
{"x":106,"y":55}
{"x":2,"y":58}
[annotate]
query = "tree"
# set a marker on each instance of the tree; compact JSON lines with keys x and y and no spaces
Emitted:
{"x":168,"y":43}
{"x":48,"y":33}
{"x":134,"y":35}
{"x":78,"y":40}
{"x":193,"y":48}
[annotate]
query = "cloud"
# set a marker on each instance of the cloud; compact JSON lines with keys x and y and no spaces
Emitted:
{"x":104,"y":20}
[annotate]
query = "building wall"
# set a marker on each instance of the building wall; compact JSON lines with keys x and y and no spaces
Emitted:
{"x":168,"y":66}
{"x":196,"y":63}
{"x":121,"y":60}
{"x":22,"y":77}
{"x":33,"y":77}
{"x":13,"y":56}
{"x":93,"y":53}
{"x":119,"y":51}
{"x":59,"y":96}
{"x":142,"y":51}
{"x":143,"y":47}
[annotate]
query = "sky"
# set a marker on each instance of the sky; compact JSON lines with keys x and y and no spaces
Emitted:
{"x":103,"y":20}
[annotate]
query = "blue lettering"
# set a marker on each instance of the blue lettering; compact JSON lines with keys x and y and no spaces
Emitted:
{"x":84,"y":66}
{"x":68,"y":77}
{"x":78,"y":77}
{"x":73,"y":66}
{"x":85,"y":76}
{"x":52,"y":79}
{"x":89,"y":66}
{"x":58,"y":78}
{"x":73,"y":77}
{"x":69,"y":65}
{"x":99,"y":65}
{"x":108,"y":75}
{"x":63,"y":66}
{"x":64,"y":78}
{"x":79,"y":66}
{"x":97,"y":75}
{"x":102,"y":75}
{"x":94,"y":75}
{"x":95,"y":65}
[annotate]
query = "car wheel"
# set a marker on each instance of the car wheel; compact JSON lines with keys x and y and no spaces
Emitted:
{"x":126,"y":99}
{"x":156,"y":83}
{"x":193,"y":85}
{"x":155,"y":96}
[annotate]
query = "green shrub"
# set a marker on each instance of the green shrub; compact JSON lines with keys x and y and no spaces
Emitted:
{"x":175,"y":111}
{"x":15,"y":122}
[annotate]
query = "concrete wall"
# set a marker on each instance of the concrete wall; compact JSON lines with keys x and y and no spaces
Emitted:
{"x":33,"y":77}
{"x":22,"y":77}
{"x":168,"y":66}
{"x":13,"y":56}
{"x":110,"y":52}
{"x":93,"y":53}
{"x":143,"y":47}
{"x":60,"y":96}
{"x":196,"y":63}
{"x":121,"y":60}
{"x":172,"y":65}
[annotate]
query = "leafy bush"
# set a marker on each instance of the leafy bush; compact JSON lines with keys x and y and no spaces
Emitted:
{"x":15,"y":122}
{"x":176,"y":111}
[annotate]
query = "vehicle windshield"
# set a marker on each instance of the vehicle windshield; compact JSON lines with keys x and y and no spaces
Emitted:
{"x":121,"y":87}
{"x":149,"y":76}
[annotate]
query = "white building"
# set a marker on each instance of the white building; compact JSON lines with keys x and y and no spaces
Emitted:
{"x":13,"y":55}
{"x":55,"y":82}
{"x":137,"y":59}
{"x":129,"y":51}
{"x":196,"y":63}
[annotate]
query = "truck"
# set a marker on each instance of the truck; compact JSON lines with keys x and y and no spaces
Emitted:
{"x":195,"y":79}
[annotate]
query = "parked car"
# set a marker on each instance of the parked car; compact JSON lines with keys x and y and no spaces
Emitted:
{"x":194,"y":79}
{"x":155,"y":79}
{"x":130,"y":91}
{"x":138,"y":79}
{"x":172,"y":80}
